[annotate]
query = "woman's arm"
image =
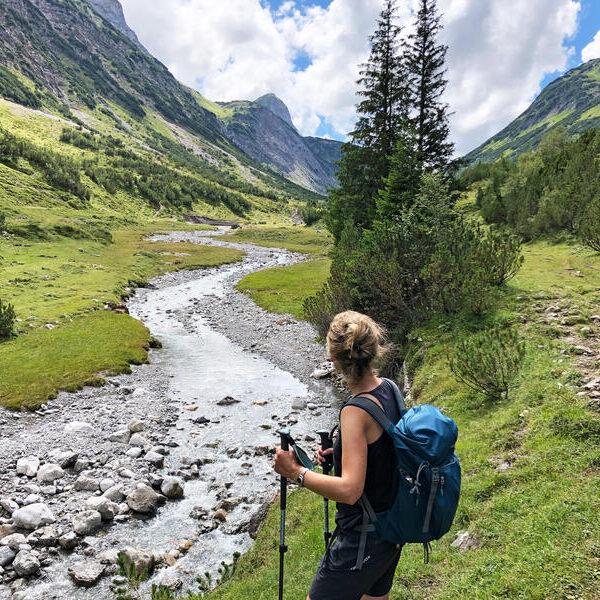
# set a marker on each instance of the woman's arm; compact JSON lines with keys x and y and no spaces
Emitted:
{"x":349,"y":487}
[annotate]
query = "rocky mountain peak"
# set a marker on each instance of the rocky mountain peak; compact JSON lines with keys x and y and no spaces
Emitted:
{"x":112,"y":11}
{"x":277,"y":107}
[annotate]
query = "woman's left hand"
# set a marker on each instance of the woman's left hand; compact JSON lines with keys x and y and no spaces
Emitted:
{"x":286,"y":464}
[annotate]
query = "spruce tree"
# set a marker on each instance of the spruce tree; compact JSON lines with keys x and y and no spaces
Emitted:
{"x":425,"y":58}
{"x":381,"y":113}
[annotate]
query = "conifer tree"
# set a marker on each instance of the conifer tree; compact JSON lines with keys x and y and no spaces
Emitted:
{"x":381,"y":113}
{"x":425,"y":58}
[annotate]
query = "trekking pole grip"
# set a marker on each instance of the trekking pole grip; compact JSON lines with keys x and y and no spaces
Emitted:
{"x":326,"y":443}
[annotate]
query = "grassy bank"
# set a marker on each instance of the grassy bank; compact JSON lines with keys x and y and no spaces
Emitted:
{"x":284,"y":289}
{"x":531,"y":464}
{"x":58,"y":286}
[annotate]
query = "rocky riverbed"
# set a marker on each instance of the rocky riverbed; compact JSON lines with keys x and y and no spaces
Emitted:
{"x":171,"y":464}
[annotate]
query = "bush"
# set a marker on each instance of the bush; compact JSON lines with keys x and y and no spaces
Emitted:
{"x":2,"y":222}
{"x":311,"y":214}
{"x":500,"y":256}
{"x":489,"y":362}
{"x":589,"y":228}
{"x":7,"y":320}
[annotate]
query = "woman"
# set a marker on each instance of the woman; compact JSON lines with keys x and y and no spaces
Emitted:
{"x":364,"y":462}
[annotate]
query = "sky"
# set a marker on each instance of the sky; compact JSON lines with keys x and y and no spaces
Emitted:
{"x":501,"y":53}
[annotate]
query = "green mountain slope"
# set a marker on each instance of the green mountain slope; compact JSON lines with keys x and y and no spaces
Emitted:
{"x":572,"y":102}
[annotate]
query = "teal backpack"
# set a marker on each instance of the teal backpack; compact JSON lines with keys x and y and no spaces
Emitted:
{"x":429,"y":476}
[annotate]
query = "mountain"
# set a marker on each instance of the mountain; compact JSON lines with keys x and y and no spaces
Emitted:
{"x":263,"y":129}
{"x":571,"y":101}
{"x":112,"y":11}
{"x":79,"y":58}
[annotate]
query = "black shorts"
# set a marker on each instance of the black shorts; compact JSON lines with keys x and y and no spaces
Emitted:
{"x":338,"y":579}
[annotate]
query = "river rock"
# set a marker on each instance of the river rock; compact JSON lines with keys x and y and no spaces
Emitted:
{"x":78,"y":427}
{"x":114,"y":493}
{"x":122,"y":436}
{"x":68,"y":541}
{"x":154,"y":458}
{"x":137,"y":439}
{"x":28,"y":466}
{"x":299,"y":403}
{"x":143,"y":499}
{"x":227,"y":401}
{"x":87,"y":522}
{"x":136,"y":425}
{"x":171,"y":582}
{"x":6,"y":530}
{"x":47,"y":536}
{"x":104,"y":506}
{"x":49,"y":472}
{"x":220,"y":515}
{"x":466,"y":540}
{"x":172,"y":487}
{"x":141,"y":559}
{"x":64,"y":458}
{"x":9,"y":505}
{"x":25,"y":564}
{"x":7,"y":555}
{"x":106,"y":484}
{"x":31,"y":499}
{"x":13,"y":541}
{"x":86,"y":574}
{"x":86,"y":484}
{"x":33,"y":516}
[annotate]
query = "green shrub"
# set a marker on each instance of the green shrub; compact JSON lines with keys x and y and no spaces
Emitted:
{"x":589,"y":228}
{"x":489,"y":362}
{"x":7,"y":320}
{"x":311,"y":214}
{"x":2,"y":222}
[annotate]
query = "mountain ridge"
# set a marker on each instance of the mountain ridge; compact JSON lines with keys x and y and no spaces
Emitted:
{"x":572,"y":101}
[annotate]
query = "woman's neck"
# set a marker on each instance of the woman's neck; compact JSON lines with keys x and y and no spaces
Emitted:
{"x":368,"y":382}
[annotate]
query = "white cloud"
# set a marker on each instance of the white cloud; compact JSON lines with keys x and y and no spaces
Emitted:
{"x":236,"y":49}
{"x":592,"y":50}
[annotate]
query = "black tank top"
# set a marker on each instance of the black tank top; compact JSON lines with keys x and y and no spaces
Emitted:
{"x":382,"y":475}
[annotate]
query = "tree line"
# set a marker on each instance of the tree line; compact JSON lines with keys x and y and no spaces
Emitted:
{"x":403,"y":252}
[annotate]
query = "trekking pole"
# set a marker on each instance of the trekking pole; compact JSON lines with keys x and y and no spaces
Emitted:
{"x":284,"y":433}
{"x":326,"y":443}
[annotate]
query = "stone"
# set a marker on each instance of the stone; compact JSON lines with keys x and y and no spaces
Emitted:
{"x":26,"y":564}
{"x":172,"y":487}
{"x":81,"y":464}
{"x":227,"y":401}
{"x":7,"y":555}
{"x":28,"y":466}
{"x":143,"y":500}
{"x":65,"y":459}
{"x":171,"y":583}
{"x":299,"y":404}
{"x":13,"y":541}
{"x":106,"y":484}
{"x":141,"y":559}
{"x":48,"y":536}
{"x":154,"y":458}
{"x":220,"y":515}
{"x":79,"y":427}
{"x":9,"y":505}
{"x":49,"y":472}
{"x":114,"y":493}
{"x":6,"y":530}
{"x":322,"y":373}
{"x":87,"y":522}
{"x":109,"y":557}
{"x":68,"y":541}
{"x":134,"y":452}
{"x":33,"y":516}
{"x":87,"y":573}
{"x":136,"y":425}
{"x":104,"y":506}
{"x":86,"y":484}
{"x":122,"y":436}
{"x":32,"y":499}
{"x":137,"y":439}
{"x":466,"y":540}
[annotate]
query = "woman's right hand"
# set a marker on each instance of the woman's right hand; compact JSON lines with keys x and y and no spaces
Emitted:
{"x":322,"y":454}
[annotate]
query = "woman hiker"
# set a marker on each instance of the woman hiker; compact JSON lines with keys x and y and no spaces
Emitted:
{"x":364,"y":462}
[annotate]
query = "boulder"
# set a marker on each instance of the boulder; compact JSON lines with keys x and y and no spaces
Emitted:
{"x":49,"y":472}
{"x":68,"y":541}
{"x":299,"y":403}
{"x":134,"y":452}
{"x":137,"y":439}
{"x":122,"y":436}
{"x":87,"y":573}
{"x":48,"y":536}
{"x":87,"y":484}
{"x":33,"y":516}
{"x":155,"y":459}
{"x":9,"y":505}
{"x":31,"y":499}
{"x":141,"y":559}
{"x":87,"y":522}
{"x":106,"y":484}
{"x":7,"y":555}
{"x":114,"y":493}
{"x":28,"y":466}
{"x":143,"y":500}
{"x":26,"y":564}
{"x":13,"y":541}
{"x":104,"y":506}
{"x":172,"y":487}
{"x":64,"y":458}
{"x":466,"y":540}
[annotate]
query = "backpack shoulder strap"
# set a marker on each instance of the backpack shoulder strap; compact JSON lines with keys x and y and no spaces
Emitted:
{"x":374,"y":410}
{"x":398,"y":396}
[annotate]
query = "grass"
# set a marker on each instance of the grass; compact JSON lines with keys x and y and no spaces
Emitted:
{"x":538,"y":520}
{"x":284,"y":289}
